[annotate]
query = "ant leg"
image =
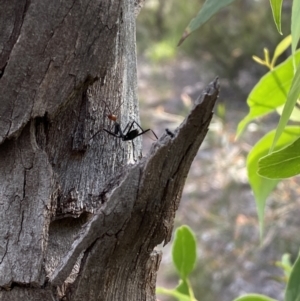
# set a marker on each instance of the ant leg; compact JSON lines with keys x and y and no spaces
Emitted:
{"x":132,"y":150}
{"x":95,"y":134}
{"x":154,"y":134}
{"x":130,"y":125}
{"x":117,"y":132}
{"x":111,"y":133}
{"x":143,"y":132}
{"x":137,"y":125}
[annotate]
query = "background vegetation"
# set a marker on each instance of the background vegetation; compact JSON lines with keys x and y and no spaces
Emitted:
{"x":217,"y":202}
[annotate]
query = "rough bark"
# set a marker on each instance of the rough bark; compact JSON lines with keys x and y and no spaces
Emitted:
{"x":76,"y":221}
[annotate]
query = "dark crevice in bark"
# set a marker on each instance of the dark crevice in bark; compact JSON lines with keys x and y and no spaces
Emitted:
{"x":27,"y":4}
{"x":69,"y":220}
{"x":24,"y":185}
{"x":6,"y":247}
{"x":78,"y":139}
{"x":59,"y":204}
{"x":42,"y":125}
{"x":2,"y":69}
{"x":19,"y":284}
{"x":15,"y":284}
{"x":21,"y":225}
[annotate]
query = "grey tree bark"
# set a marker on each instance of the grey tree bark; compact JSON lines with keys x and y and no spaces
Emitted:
{"x":77,"y":222}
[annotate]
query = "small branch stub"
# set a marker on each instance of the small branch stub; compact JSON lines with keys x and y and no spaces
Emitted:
{"x":138,"y":215}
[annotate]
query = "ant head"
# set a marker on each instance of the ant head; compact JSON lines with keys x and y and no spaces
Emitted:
{"x":112,"y":117}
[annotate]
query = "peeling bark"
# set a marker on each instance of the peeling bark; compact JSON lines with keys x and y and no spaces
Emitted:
{"x":77,"y":222}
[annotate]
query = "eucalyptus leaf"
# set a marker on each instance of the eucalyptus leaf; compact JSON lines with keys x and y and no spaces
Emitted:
{"x":276,"y":10}
{"x":281,"y":164}
{"x":261,"y":186}
{"x":254,"y":297}
{"x":209,"y":8}
{"x":184,"y":251}
{"x":286,"y":265}
{"x":295,"y":116}
{"x":281,"y":47}
{"x":292,"y":292}
{"x":291,"y":101}
{"x":270,"y":92}
{"x":295,"y":27}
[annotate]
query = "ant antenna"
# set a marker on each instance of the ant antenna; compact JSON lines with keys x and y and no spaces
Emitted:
{"x":112,"y":116}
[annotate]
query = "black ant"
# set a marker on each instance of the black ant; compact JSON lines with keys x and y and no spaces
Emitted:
{"x":128,"y":134}
{"x":170,"y":133}
{"x":122,"y":134}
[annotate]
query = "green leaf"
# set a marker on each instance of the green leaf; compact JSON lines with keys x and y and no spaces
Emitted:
{"x":281,"y":47}
{"x":262,"y":187}
{"x":281,"y":164}
{"x":184,"y":251}
{"x":183,"y":287}
{"x":270,"y":92}
{"x":254,"y":297}
{"x":174,"y":293}
{"x":276,"y":10}
{"x":286,"y":265}
{"x":292,"y":292}
{"x":295,"y":116}
{"x":209,"y":8}
{"x":289,"y":106}
{"x":286,"y":262}
{"x":295,"y":26}
{"x":259,"y":60}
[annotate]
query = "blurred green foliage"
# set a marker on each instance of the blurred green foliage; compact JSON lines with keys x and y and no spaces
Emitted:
{"x":225,"y":44}
{"x":184,"y":259}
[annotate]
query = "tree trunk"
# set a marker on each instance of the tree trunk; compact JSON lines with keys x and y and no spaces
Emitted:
{"x":77,"y":222}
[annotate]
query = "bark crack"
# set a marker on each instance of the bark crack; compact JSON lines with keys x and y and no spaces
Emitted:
{"x":21,"y":226}
{"x":24,"y":184}
{"x":6,"y":248}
